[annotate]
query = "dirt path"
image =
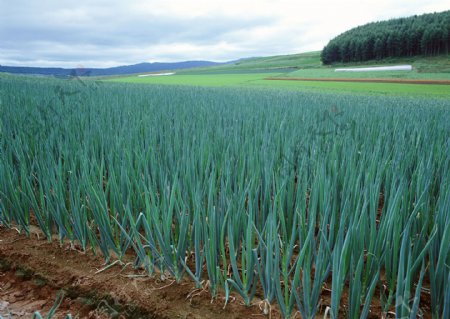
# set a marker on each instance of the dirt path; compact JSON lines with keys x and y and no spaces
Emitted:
{"x":399,"y":81}
{"x":33,"y":271}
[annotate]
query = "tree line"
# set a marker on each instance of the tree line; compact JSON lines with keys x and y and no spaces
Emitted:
{"x":427,"y":34}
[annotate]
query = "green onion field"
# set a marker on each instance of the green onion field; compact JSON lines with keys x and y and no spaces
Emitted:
{"x":254,"y":190}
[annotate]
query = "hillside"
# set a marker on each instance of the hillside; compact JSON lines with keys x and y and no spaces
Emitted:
{"x":286,"y":63}
{"x":310,"y":61}
{"x":427,"y":34}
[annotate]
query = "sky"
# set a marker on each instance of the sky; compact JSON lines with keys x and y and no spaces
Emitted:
{"x":101,"y":33}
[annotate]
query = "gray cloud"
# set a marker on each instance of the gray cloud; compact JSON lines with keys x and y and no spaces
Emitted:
{"x":102,"y":33}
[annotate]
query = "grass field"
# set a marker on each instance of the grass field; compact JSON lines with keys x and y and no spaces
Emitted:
{"x":250,"y":73}
{"x":302,"y":60}
{"x":257,"y":80}
{"x":222,"y":79}
{"x":330,"y":73}
{"x":311,"y":60}
{"x":442,"y":91}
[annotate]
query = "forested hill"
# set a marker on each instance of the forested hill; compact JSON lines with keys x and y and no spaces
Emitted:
{"x":427,"y":34}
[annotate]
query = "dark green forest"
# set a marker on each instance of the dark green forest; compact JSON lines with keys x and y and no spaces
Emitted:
{"x":427,"y":34}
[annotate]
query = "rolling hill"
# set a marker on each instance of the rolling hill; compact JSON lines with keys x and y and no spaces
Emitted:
{"x":119,"y":70}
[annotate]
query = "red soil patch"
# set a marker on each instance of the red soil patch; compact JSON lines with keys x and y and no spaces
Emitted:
{"x":399,"y":81}
{"x":33,"y":271}
{"x":50,"y":267}
{"x":21,"y":294}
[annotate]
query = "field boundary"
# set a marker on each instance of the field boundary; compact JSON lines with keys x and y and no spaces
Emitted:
{"x":363,"y":80}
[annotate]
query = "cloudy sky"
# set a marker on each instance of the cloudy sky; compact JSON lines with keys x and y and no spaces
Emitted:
{"x":103,"y":33}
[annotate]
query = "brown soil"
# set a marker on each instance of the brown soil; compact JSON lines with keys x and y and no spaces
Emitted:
{"x":21,"y":294}
{"x":33,"y":271}
{"x":402,"y":81}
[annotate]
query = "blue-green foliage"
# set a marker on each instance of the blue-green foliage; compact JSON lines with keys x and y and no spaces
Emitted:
{"x":238,"y":188}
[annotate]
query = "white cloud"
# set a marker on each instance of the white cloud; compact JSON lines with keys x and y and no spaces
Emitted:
{"x":103,"y":33}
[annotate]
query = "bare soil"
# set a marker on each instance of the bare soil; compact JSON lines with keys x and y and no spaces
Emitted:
{"x":400,"y":81}
{"x":33,"y":271}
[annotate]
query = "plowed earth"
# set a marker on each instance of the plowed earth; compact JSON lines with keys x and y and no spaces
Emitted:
{"x":34,"y":271}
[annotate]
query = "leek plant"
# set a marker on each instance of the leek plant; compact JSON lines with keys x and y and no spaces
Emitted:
{"x":269,"y":194}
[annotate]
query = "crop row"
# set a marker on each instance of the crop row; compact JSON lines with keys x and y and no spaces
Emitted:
{"x":279,"y":194}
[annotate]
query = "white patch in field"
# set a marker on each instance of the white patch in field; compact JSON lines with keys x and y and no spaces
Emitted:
{"x":378,"y":68}
{"x":156,"y":74}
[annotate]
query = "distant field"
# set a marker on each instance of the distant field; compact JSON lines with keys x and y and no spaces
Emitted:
{"x":364,"y":88}
{"x":199,"y":80}
{"x":311,"y":60}
{"x":255,"y":80}
{"x":252,"y":72}
{"x":330,"y":73}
